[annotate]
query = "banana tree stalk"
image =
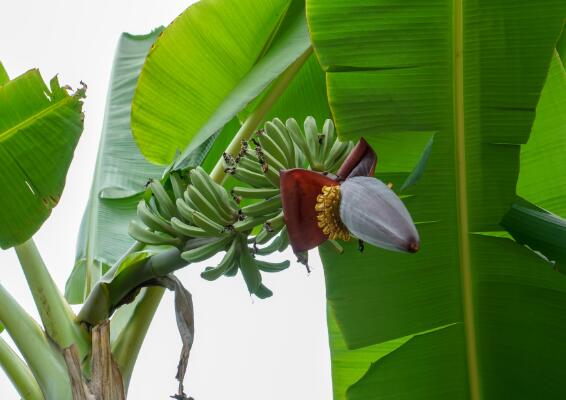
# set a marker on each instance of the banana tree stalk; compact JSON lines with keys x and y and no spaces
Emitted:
{"x":58,"y":319}
{"x":127,"y":344}
{"x":19,"y":373}
{"x":43,"y":359}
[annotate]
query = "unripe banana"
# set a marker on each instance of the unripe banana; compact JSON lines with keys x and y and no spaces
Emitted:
{"x":249,"y":222}
{"x":266,"y":266}
{"x":263,"y":292}
{"x":276,"y":222}
{"x":139,"y":233}
{"x":228,"y":261}
{"x":217,"y":197}
{"x":329,"y":138}
{"x":263,"y":207}
{"x":272,"y":162}
{"x":251,"y":163}
{"x":206,"y":251}
{"x":268,"y":144}
{"x":189,"y":230}
{"x":153,"y":222}
{"x":185,"y":211}
{"x":251,"y":178}
{"x":206,"y":207}
{"x":265,"y":235}
{"x":178,"y":185}
{"x":311,"y":134}
{"x":210,"y":226}
{"x":249,"y":269}
{"x":288,"y":141}
{"x":254,"y":193}
{"x":164,"y":202}
{"x":283,"y":239}
{"x":299,"y":139}
{"x":272,"y":174}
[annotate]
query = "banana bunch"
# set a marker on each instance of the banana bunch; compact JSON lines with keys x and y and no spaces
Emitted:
{"x":200,"y":216}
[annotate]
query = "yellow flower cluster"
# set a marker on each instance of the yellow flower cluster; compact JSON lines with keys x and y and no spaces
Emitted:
{"x":328,"y":213}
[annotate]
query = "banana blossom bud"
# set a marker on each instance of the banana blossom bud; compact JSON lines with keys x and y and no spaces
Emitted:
{"x":318,"y":207}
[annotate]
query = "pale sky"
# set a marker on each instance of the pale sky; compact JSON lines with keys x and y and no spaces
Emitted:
{"x":244,"y":349}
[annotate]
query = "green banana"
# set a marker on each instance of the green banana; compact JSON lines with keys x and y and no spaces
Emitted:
{"x":272,"y":162}
{"x":210,"y":226}
{"x":265,"y":235}
{"x":329,"y":138}
{"x":187,"y":230}
{"x":206,"y":207}
{"x":272,"y":176}
{"x":311,"y":134}
{"x":266,"y":266}
{"x":299,"y":139}
{"x":164,"y":202}
{"x":333,"y":160}
{"x":269,"y":145}
{"x":263,"y":207}
{"x":207,"y":187}
{"x":251,"y":178}
{"x":206,"y":251}
{"x":153,"y":222}
{"x":139,"y":233}
{"x":276,"y":222}
{"x":213,"y":273}
{"x":287,"y":140}
{"x":249,"y":223}
{"x":263,"y":292}
{"x":254,"y":193}
{"x":251,"y":163}
{"x":185,"y":211}
{"x":283,"y":239}
{"x":249,"y":269}
{"x":233,"y":270}
{"x":178,"y":185}
{"x":278,"y":137}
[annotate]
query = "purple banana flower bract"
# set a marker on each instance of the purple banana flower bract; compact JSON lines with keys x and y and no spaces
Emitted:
{"x":373,"y":213}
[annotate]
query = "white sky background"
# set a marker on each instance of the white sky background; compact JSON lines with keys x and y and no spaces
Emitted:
{"x":244,"y":349}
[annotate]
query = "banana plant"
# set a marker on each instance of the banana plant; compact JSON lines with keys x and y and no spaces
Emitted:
{"x":202,"y":152}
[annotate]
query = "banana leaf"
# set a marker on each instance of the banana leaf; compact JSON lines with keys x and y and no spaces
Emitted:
{"x":543,"y":160}
{"x":184,"y":99}
{"x":471,"y":73}
{"x":120,"y":175}
{"x":39,"y":129}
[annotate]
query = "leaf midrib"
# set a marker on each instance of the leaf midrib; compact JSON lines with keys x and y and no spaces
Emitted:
{"x":462,"y":199}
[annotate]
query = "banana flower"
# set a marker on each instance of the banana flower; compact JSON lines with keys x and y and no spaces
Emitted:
{"x":321,"y":206}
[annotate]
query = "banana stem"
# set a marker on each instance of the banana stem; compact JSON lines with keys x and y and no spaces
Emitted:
{"x":131,"y":331}
{"x":251,"y":124}
{"x":19,"y":373}
{"x":44,"y":361}
{"x":56,"y":314}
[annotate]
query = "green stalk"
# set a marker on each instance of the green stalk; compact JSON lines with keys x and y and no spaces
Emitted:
{"x":128,"y":341}
{"x":19,"y":373}
{"x":251,"y":123}
{"x":56,"y":314}
{"x":107,"y":295}
{"x":43,"y":359}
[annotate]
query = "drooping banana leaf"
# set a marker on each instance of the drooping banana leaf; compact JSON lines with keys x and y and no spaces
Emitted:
{"x":188,"y":92}
{"x":471,"y":73}
{"x":39,"y":129}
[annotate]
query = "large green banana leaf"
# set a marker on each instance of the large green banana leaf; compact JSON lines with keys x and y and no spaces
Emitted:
{"x":471,"y":73}
{"x":207,"y":66}
{"x":39,"y":129}
{"x":120,"y":174}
